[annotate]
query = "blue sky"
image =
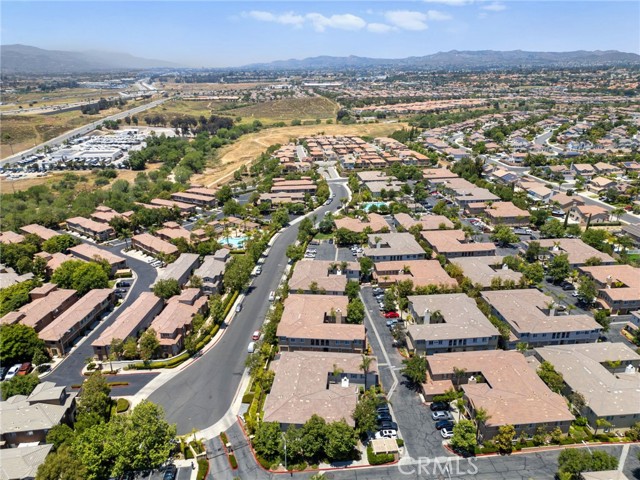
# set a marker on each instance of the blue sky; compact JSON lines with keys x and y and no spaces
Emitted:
{"x":232,"y":33}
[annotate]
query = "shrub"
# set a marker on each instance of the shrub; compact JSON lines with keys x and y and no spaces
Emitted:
{"x":224,"y":438}
{"x":122,"y":405}
{"x":264,"y":463}
{"x":232,"y":461}
{"x":197,"y":446}
{"x":203,"y":468}
{"x":91,"y":366}
{"x":187,"y":452}
{"x":247,"y":397}
{"x":580,"y":421}
{"x":118,"y":384}
{"x":400,"y":442}
{"x":380,"y":458}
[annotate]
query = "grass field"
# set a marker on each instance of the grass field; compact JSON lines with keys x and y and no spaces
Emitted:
{"x":27,"y":131}
{"x":178,"y":108}
{"x":287,"y":109}
{"x":249,"y":147}
{"x":11,"y":101}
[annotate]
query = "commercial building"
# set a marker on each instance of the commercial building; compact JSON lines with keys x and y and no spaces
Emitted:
{"x":533,"y":319}
{"x":59,"y":335}
{"x":388,"y":247}
{"x":453,"y":244}
{"x":486,"y":271}
{"x":133,"y":320}
{"x":316,"y":383}
{"x":506,"y":387}
{"x":605,"y":374}
{"x":449,"y":323}
{"x":318,"y":322}
{"x":90,"y":228}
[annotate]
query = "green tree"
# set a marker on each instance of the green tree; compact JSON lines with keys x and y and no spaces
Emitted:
{"x":415,"y":369}
{"x":597,"y":239}
{"x":504,"y":438}
{"x":603,"y":318}
{"x":19,"y":343}
{"x":130,"y":348}
{"x":267,"y":441}
{"x":59,"y":435}
{"x":587,"y":290}
{"x":238,"y":273}
{"x":352,"y":289}
{"x":552,"y":229}
{"x":62,"y":464}
{"x":150,"y":441}
{"x":94,"y":397}
{"x":551,"y":377}
{"x":60,"y":243}
{"x":355,"y":311}
{"x":15,"y":296}
{"x":280,"y":218}
{"x":366,"y":267}
{"x":559,"y":268}
{"x":149,"y":344}
{"x":389,"y":300}
{"x":572,"y":462}
{"x":295,"y":252}
{"x":166,"y":288}
{"x":503,"y":235}
{"x":314,"y":437}
{"x":341,"y":441}
{"x":365,"y":414}
{"x":533,"y":251}
{"x":80,"y":276}
{"x":533,"y":272}
{"x":19,"y":385}
{"x":464,"y":437}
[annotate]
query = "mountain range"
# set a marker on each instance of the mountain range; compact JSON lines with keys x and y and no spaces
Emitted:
{"x":24,"y":59}
{"x":455,"y":59}
{"x":27,"y":59}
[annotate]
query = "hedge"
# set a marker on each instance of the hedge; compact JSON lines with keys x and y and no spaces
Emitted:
{"x":197,"y":446}
{"x":266,"y":464}
{"x":118,"y":384}
{"x":187,"y":452}
{"x":223,"y":438}
{"x":232,"y":461}
{"x":203,"y":468}
{"x":171,"y":363}
{"x":247,"y":397}
{"x":380,"y":458}
{"x":122,"y":405}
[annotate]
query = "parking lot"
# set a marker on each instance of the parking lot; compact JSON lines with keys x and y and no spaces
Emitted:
{"x":413,"y":418}
{"x":330,"y":252}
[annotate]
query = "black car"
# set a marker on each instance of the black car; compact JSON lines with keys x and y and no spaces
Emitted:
{"x":123,"y":284}
{"x":436,"y":406}
{"x":382,"y":409}
{"x":3,"y":372}
{"x":448,"y":424}
{"x":384,"y":417}
{"x":387,"y":425}
{"x":568,"y":286}
{"x":170,"y":473}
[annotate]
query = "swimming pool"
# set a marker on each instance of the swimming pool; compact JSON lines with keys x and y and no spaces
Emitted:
{"x":234,"y":242}
{"x":367,"y":206}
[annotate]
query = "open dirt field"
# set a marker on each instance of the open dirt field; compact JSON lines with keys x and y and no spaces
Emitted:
{"x":249,"y":147}
{"x":287,"y":109}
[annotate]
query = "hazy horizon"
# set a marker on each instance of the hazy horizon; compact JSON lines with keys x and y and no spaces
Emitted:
{"x":230,"y":34}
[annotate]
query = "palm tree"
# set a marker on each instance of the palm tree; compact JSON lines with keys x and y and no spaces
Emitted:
{"x":364,"y":366}
{"x":458,"y":374}
{"x":481,"y":416}
{"x":617,"y":212}
{"x":460,"y":403}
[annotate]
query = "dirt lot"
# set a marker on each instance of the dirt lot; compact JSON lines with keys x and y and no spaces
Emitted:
{"x":249,"y":147}
{"x":287,"y":109}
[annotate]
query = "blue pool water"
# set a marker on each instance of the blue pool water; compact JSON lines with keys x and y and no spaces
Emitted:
{"x":234,"y":242}
{"x":366,"y":206}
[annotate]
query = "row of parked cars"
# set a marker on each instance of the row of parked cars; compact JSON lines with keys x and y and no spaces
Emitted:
{"x":18,"y":369}
{"x":387,"y":428}
{"x":444,"y":420}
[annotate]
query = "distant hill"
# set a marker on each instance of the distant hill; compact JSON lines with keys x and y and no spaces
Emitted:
{"x":26,"y":59}
{"x":461,"y":60}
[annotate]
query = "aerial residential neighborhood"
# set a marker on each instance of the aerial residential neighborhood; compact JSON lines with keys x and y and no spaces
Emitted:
{"x":381,"y":258}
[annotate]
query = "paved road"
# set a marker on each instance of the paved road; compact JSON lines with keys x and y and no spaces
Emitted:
{"x":203,"y":392}
{"x":69,"y":372}
{"x":81,"y":131}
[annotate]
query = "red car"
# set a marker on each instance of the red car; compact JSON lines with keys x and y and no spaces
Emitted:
{"x":391,"y":315}
{"x":24,"y":368}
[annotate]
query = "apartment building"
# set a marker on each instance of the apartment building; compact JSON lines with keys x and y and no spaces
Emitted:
{"x":426,"y":222}
{"x":47,"y":303}
{"x":533,"y":319}
{"x":454,"y":244}
{"x":9,"y":237}
{"x":212,"y":271}
{"x":591,"y":214}
{"x":26,"y":420}
{"x":43,"y":232}
{"x":105,"y":214}
{"x":98,"y":231}
{"x":129,"y":323}
{"x":605,"y":374}
{"x":388,"y":247}
{"x":23,"y":463}
{"x":618,"y":286}
{"x":185,"y":208}
{"x":173,"y":231}
{"x":60,"y":334}
{"x":506,"y":387}
{"x":506,"y":213}
{"x":316,"y":276}
{"x":316,"y":383}
{"x":303,"y":185}
{"x":180,"y":270}
{"x":485,"y":271}
{"x":89,"y":253}
{"x":373,"y":221}
{"x":449,"y":323}
{"x":153,"y":245}
{"x":576,"y":250}
{"x":422,"y":273}
{"x":198,"y":199}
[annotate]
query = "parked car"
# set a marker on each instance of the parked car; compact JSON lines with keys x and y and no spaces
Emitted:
{"x":392,"y":323}
{"x":123,"y":284}
{"x":3,"y":372}
{"x":438,"y":406}
{"x":391,"y":315}
{"x":378,"y":291}
{"x":575,"y":293}
{"x":393,"y":434}
{"x":387,"y":425}
{"x":24,"y":369}
{"x":382,"y":409}
{"x":272,"y":296}
{"x":446,"y":433}
{"x":384,"y":416}
{"x":12,"y":371}
{"x":170,"y":473}
{"x":256,"y":335}
{"x":444,"y":424}
{"x":238,"y":307}
{"x":567,"y":286}
{"x":251,"y":347}
{"x":441,"y":415}
{"x":258,"y":270}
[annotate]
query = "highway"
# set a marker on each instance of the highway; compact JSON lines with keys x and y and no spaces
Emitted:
{"x":81,"y":131}
{"x":202,"y":393}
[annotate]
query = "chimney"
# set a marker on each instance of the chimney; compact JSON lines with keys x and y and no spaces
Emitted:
{"x":609,"y":281}
{"x":427,"y":316}
{"x":339,"y":317}
{"x":344,"y":383}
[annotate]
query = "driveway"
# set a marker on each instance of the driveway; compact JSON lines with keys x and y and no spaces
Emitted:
{"x":413,"y":418}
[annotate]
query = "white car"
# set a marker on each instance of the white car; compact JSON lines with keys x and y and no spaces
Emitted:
{"x":393,"y":434}
{"x":258,"y":270}
{"x":446,"y":433}
{"x":272,"y":296}
{"x":12,"y":371}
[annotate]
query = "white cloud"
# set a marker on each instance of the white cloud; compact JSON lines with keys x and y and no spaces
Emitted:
{"x":453,"y":3}
{"x":341,"y":22}
{"x":494,"y":7}
{"x":438,"y":16}
{"x":407,"y":20}
{"x":288,"y":18}
{"x":379,"y":27}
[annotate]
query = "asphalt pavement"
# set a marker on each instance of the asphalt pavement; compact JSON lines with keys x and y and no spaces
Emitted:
{"x":202,"y":393}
